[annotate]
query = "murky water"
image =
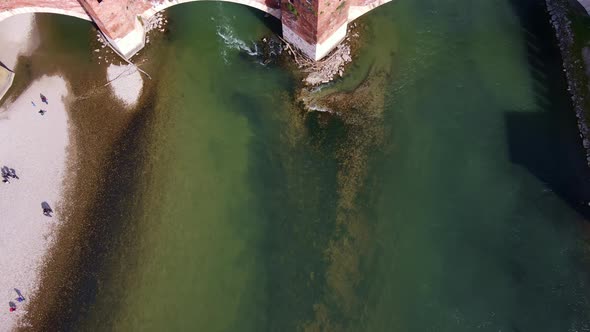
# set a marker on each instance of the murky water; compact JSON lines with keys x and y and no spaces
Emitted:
{"x":452,"y":198}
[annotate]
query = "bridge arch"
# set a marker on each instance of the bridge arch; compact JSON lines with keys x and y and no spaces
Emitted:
{"x":263,"y":5}
{"x":362,"y":7}
{"x":122,"y":22}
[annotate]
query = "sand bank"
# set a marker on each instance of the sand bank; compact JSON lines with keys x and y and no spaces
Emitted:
{"x":125,"y":82}
{"x":18,"y":37}
{"x":35,"y":146}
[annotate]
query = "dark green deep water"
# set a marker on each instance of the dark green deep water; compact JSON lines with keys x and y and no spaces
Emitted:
{"x":458,"y":204}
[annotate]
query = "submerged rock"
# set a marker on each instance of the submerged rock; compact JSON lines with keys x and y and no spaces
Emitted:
{"x":270,"y":50}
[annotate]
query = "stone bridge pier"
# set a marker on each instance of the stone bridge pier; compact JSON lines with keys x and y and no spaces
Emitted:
{"x":313,"y":26}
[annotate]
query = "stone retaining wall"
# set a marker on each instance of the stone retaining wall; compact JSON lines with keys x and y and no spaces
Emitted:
{"x":574,"y":65}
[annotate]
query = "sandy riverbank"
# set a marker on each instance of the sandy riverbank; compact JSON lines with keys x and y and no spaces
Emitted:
{"x":35,"y":146}
{"x":125,"y":82}
{"x":19,"y":37}
{"x":40,"y":254}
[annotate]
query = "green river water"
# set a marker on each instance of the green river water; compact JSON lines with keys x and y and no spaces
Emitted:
{"x":457,"y":201}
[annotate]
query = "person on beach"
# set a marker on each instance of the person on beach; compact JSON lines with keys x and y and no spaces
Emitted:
{"x":12,"y":306}
{"x":42,"y":112}
{"x":47,"y":211}
{"x":5,"y":174}
{"x":12,"y":173}
{"x":20,"y":297}
{"x":44,"y":99}
{"x":8,"y":173}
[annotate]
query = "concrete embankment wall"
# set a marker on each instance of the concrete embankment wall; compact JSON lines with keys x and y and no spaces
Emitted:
{"x":567,"y":17}
{"x":586,"y":4}
{"x":6,"y":78}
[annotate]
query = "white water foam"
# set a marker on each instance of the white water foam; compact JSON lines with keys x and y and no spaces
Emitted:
{"x":316,"y":108}
{"x":234,"y":43}
{"x":230,"y":40}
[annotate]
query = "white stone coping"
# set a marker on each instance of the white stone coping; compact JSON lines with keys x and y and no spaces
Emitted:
{"x":355,"y":12}
{"x":27,"y":10}
{"x":322,"y":49}
{"x":276,"y":12}
{"x":132,"y":42}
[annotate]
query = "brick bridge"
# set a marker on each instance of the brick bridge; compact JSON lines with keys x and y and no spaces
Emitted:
{"x":314,"y":26}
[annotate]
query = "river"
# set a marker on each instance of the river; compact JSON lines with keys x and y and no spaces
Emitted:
{"x":456,"y":201}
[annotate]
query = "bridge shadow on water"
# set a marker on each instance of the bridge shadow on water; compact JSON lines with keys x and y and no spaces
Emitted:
{"x":545,"y":141}
{"x":270,"y":22}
